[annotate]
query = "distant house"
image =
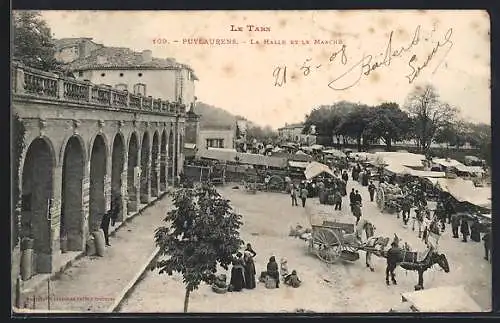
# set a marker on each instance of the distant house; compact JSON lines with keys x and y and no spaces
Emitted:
{"x":293,"y":133}
{"x":68,"y":50}
{"x":136,"y":72}
{"x":217,"y":137}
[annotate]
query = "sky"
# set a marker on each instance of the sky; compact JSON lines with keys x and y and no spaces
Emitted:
{"x":448,"y":49}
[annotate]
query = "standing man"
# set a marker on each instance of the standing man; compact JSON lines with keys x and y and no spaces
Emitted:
{"x":487,"y":245}
{"x":352,"y":198}
{"x":455,"y":224}
{"x":293,"y":194}
{"x":303,"y":195}
{"x":464,"y":229}
{"x":337,"y":197}
{"x":345,"y":176}
{"x":358,"y":198}
{"x":106,"y":219}
{"x":393,"y":257}
{"x":371,"y":190}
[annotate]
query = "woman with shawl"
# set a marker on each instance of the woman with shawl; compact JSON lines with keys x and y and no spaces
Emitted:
{"x":237,"y":273}
{"x":272,"y":270}
{"x":249,"y":270}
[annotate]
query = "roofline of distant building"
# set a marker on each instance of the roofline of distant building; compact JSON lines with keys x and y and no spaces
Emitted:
{"x":131,"y":67}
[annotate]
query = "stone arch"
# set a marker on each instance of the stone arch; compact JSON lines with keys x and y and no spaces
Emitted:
{"x":132,"y":180}
{"x":155,"y":165}
{"x":98,"y":166}
{"x":171,"y":160}
{"x":145,"y":186}
{"x":163,"y":161}
{"x":37,"y":186}
{"x":91,"y":144}
{"x":73,"y":173}
{"x":65,"y":143}
{"x":117,"y":166}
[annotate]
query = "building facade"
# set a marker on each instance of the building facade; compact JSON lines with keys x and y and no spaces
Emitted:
{"x":293,"y":133}
{"x":123,"y":69}
{"x":216,"y":137}
{"x":87,"y":148}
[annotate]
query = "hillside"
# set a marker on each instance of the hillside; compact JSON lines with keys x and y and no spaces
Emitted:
{"x":215,"y":117}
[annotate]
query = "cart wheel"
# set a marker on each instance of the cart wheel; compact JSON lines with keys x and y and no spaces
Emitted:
{"x":276,"y":183}
{"x":380,"y":198}
{"x":329,"y":246}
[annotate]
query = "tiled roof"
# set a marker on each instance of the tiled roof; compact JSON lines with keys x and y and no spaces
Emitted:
{"x":65,"y":42}
{"x":123,"y":58}
{"x":293,"y":125}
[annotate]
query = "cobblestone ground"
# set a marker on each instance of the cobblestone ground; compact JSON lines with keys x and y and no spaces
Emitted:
{"x":93,"y":283}
{"x":341,"y":287}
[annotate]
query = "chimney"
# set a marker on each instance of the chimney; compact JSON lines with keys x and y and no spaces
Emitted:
{"x":83,"y":49}
{"x":147,"y":56}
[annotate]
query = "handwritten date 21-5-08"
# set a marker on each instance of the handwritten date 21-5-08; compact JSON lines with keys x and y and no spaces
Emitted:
{"x":369,"y":63}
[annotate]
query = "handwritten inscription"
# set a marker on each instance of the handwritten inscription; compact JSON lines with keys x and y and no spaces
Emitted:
{"x":250,"y":28}
{"x":371,"y":62}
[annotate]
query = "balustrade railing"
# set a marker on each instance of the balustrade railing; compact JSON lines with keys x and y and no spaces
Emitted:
{"x":36,"y":83}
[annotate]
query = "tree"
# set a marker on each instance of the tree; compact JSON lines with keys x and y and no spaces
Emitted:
{"x":388,"y":123}
{"x":429,"y":114}
{"x":203,"y":233}
{"x":355,"y":124}
{"x":33,"y":43}
{"x":18,"y":132}
{"x":446,"y":135}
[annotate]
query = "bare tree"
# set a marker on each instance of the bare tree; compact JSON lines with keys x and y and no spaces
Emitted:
{"x":429,"y":114}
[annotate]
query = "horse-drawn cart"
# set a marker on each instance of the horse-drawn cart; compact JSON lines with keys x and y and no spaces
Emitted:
{"x":387,"y":196}
{"x":333,"y":240}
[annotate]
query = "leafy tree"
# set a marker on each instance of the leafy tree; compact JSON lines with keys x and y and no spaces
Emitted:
{"x":446,"y":135}
{"x":202,"y":232}
{"x":32,"y":41}
{"x":18,"y":132}
{"x":388,"y":123}
{"x":429,"y":114}
{"x":355,"y":125}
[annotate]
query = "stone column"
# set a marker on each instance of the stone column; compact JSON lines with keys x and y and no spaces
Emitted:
{"x":122,"y":214}
{"x":86,"y":203}
{"x":146,"y":197}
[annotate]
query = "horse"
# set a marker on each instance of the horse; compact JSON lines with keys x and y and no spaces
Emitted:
{"x":410,"y":260}
{"x":356,"y":238}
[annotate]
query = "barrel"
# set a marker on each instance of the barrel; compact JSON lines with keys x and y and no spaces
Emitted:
{"x":26,"y":264}
{"x":99,"y":242}
{"x":90,"y":247}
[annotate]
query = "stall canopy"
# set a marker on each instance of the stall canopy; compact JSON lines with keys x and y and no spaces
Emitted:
{"x":399,"y":158}
{"x":446,"y":162}
{"x":442,"y":300}
{"x":335,"y":153}
{"x":470,"y":169}
{"x":315,"y":169}
{"x":465,"y":191}
{"x":317,"y":147}
{"x":298,"y":164}
{"x":403,"y":170}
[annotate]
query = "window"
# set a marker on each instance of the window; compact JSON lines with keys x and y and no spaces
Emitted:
{"x":121,"y":74}
{"x":140,"y":74}
{"x":121,"y":87}
{"x":80,"y":73}
{"x":140,"y":89}
{"x":103,"y":74}
{"x":215,"y":143}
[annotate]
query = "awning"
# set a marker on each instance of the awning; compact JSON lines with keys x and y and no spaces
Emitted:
{"x":335,"y":152}
{"x":300,"y":152}
{"x":317,"y":147}
{"x":315,"y":169}
{"x":298,"y":164}
{"x":189,"y":146}
{"x":447,"y":162}
{"x":465,"y":191}
{"x":470,"y":169}
{"x":441,"y":299}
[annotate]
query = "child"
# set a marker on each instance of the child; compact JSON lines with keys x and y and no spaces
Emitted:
{"x":284,"y":267}
{"x":293,"y":280}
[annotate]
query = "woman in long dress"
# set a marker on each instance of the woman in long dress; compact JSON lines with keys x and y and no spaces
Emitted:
{"x":249,"y":271}
{"x":237,"y":274}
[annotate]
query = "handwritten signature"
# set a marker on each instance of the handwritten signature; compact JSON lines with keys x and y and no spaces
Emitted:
{"x":367,"y":64}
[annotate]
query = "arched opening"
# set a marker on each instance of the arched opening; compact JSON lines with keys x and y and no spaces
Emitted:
{"x":117,"y":159}
{"x":71,"y":232}
{"x":145,"y":169}
{"x":170,"y":152}
{"x":97,"y":173}
{"x":163,"y":162}
{"x":37,"y":188}
{"x":155,"y":166}
{"x":133,"y":161}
